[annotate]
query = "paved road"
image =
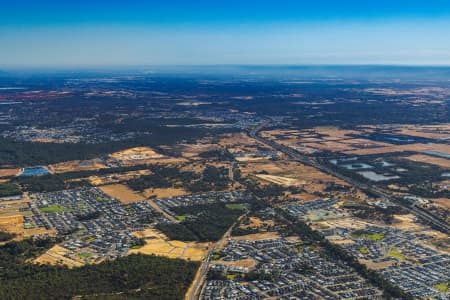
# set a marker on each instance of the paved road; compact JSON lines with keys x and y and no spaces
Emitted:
{"x":419,"y":212}
{"x":160,"y":210}
{"x":194,"y":290}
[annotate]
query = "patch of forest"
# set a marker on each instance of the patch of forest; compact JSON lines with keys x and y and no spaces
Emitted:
{"x":202,"y":223}
{"x":130,"y":277}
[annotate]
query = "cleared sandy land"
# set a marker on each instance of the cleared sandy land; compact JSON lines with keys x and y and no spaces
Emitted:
{"x":335,"y":132}
{"x":11,"y":220}
{"x":256,"y":167}
{"x":442,"y":162}
{"x":192,"y":150}
{"x":249,"y":158}
{"x":375,"y":266}
{"x":407,"y":222}
{"x":76,"y":165}
{"x":117,"y":177}
{"x":330,"y":146}
{"x":291,"y":173}
{"x":56,"y":256}
{"x":402,"y":148}
{"x":137,"y":153}
{"x":239,"y":139}
{"x":164,"y":193}
{"x":122,"y":192}
{"x":444,"y":202}
{"x":244,"y":263}
{"x":158,"y":244}
{"x":255,"y":222}
{"x":9,"y":172}
{"x":281,"y":180}
{"x":14,"y":224}
{"x":142,"y":155}
{"x":442,"y":131}
{"x":258,"y":236}
{"x":303,"y":197}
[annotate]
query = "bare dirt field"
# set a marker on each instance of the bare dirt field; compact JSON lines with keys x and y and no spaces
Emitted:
{"x":444,"y":148}
{"x":192,"y":150}
{"x":441,"y":131}
{"x":257,"y":222}
{"x":142,"y":155}
{"x":238,"y":139}
{"x":334,"y":132}
{"x":291,"y":173}
{"x":77,"y":165}
{"x":444,"y":202}
{"x":56,"y":256}
{"x":9,"y":172}
{"x":158,"y":244}
{"x":269,"y":167}
{"x":258,"y":236}
{"x":281,"y":180}
{"x":305,"y":197}
{"x":164,"y":193}
{"x":407,"y":222}
{"x":329,"y":146}
{"x":122,"y":192}
{"x":14,"y":224}
{"x":441,"y":162}
{"x":375,"y":266}
{"x":117,"y":177}
{"x":244,"y":263}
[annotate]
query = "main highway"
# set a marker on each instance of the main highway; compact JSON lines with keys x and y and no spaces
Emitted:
{"x":422,"y":214}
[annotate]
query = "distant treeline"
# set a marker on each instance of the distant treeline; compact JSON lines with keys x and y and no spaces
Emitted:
{"x":17,"y":153}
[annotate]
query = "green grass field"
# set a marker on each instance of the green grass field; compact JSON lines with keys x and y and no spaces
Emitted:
{"x":375,"y":236}
{"x":89,"y":239}
{"x":181,"y":218}
{"x":236,"y":206}
{"x":84,"y":255}
{"x":442,"y":287}
{"x":395,"y":254}
{"x":368,"y":236}
{"x":364,"y":251}
{"x":53,"y":208}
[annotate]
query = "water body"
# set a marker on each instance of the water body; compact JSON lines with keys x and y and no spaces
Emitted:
{"x":377,"y":177}
{"x":386,"y":164}
{"x":357,"y":166}
{"x":34,"y":171}
{"x":438,"y":154}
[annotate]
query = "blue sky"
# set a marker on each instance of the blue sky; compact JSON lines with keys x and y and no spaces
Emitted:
{"x":99,"y":32}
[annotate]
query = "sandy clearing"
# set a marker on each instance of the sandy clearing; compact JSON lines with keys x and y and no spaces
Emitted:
{"x":281,"y":180}
{"x":442,"y":162}
{"x":77,"y":165}
{"x":245,"y":263}
{"x":444,"y":202}
{"x":258,"y":236}
{"x":56,"y":256}
{"x":122,"y":192}
{"x":164,"y":193}
{"x":9,"y":172}
{"x":158,"y":244}
{"x":418,"y":147}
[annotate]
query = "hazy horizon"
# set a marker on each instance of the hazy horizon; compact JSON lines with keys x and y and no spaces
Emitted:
{"x":116,"y":33}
